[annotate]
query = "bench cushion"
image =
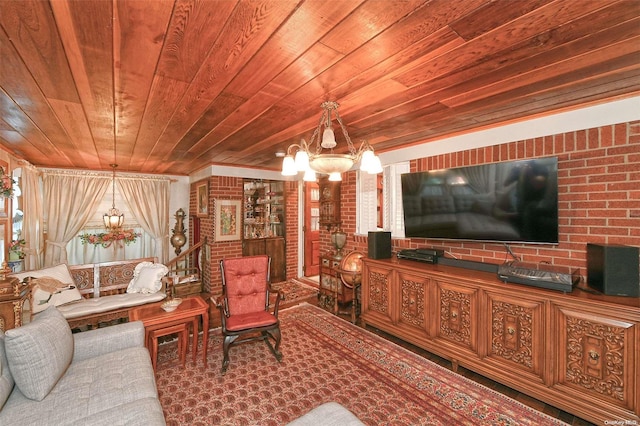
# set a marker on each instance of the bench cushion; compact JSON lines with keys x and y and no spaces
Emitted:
{"x":107,"y":303}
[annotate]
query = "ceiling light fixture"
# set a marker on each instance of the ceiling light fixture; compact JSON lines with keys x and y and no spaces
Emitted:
{"x":310,"y":159}
{"x":113,"y":219}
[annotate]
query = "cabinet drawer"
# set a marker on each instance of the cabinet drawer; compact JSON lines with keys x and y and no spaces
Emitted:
{"x":330,"y":263}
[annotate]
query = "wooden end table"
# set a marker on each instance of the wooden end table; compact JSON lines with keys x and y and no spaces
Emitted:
{"x":188,"y":312}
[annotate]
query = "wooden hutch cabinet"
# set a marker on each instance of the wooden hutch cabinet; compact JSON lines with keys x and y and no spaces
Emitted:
{"x":264,"y":224}
{"x":578,"y":351}
{"x":331,"y":290}
{"x":329,"y":203}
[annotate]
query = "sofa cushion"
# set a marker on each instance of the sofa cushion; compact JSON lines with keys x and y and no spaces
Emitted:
{"x":147,"y":277}
{"x":102,"y":390}
{"x":6,"y":379}
{"x":56,"y":287}
{"x":328,"y":414}
{"x":39,"y":353}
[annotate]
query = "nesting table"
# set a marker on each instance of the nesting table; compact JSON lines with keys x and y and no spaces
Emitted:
{"x":158,"y":323}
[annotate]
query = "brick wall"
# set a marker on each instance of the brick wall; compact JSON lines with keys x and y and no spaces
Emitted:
{"x":222,"y":188}
{"x":231,"y":188}
{"x":292,"y":227}
{"x":599,"y":195}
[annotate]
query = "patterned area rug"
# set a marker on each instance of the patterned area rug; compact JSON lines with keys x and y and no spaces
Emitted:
{"x":328,"y":359}
{"x":295,"y":293}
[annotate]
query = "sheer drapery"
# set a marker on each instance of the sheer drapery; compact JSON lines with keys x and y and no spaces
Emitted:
{"x":79,"y":253}
{"x":32,"y":226}
{"x":69,"y":201}
{"x":149,"y":203}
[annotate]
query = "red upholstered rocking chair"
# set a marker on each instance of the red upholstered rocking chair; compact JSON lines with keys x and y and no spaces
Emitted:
{"x":244,"y":304}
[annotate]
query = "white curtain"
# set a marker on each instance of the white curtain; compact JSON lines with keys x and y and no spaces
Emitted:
{"x":149,"y":202}
{"x":32,"y":226}
{"x":69,"y":201}
{"x":79,"y":253}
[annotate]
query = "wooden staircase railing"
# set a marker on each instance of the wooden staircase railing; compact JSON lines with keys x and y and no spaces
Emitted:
{"x":188,"y":267}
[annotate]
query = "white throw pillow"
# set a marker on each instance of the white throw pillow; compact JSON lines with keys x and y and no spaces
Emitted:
{"x":147,"y":277}
{"x":65,"y":292}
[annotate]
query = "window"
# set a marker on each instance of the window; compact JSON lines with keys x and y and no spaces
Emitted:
{"x":370,"y":205}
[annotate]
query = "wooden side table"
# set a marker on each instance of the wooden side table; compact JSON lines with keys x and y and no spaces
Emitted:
{"x":181,"y":330}
{"x":188,"y":312}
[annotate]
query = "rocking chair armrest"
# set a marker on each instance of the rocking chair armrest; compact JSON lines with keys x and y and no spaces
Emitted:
{"x":219,"y":301}
{"x":280,"y":296}
{"x":222,"y":305}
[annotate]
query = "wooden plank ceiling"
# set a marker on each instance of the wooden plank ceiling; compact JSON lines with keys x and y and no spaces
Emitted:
{"x":171,"y":86}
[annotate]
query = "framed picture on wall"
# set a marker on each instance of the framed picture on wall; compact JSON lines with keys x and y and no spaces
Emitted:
{"x":227,"y":220}
{"x":202,"y":199}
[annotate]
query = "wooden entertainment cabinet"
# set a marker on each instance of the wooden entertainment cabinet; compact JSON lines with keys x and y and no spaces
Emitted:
{"x":578,"y":352}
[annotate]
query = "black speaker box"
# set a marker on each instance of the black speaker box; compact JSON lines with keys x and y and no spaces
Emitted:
{"x":379,"y":245}
{"x":613,"y":270}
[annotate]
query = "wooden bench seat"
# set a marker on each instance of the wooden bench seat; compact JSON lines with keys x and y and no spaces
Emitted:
{"x":101,"y":290}
{"x":104,"y":289}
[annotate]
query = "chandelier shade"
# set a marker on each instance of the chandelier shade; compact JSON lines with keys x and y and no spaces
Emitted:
{"x":311,"y":159}
{"x":113,"y":219}
{"x":331,"y":163}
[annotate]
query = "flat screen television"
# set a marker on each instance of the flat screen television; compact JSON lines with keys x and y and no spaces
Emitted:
{"x":511,"y":201}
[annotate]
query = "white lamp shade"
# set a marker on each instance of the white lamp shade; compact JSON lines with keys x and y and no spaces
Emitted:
{"x":367,"y":160}
{"x":289,"y":166}
{"x":309,"y":176}
{"x":376,"y":166}
{"x":335,"y":177}
{"x":302,"y":161}
{"x":328,"y":138}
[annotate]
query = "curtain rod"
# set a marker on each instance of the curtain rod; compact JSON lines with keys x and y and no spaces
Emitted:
{"x":119,"y":175}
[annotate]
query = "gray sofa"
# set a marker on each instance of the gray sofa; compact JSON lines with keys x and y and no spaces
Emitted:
{"x":328,"y":414}
{"x":49,"y":376}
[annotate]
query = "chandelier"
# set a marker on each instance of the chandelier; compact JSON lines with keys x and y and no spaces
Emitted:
{"x":310,"y":158}
{"x":113,"y":219}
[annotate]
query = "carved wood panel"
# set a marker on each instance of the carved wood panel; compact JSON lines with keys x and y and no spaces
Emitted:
{"x":594,"y":353}
{"x":379,"y":292}
{"x":456,"y":316}
{"x":116,"y":275}
{"x":412,"y":307}
{"x":512,"y":332}
{"x":83,"y":279}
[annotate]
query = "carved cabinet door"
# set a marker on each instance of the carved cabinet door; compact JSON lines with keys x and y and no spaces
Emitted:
{"x":457,"y":318}
{"x":378,"y":300}
{"x":515,"y":334}
{"x":414,"y":298}
{"x":597,"y":358}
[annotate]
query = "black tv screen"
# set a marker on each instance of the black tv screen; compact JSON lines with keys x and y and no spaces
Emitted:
{"x":511,"y":201}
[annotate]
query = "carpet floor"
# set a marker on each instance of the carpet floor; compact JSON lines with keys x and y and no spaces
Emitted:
{"x":327,"y":359}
